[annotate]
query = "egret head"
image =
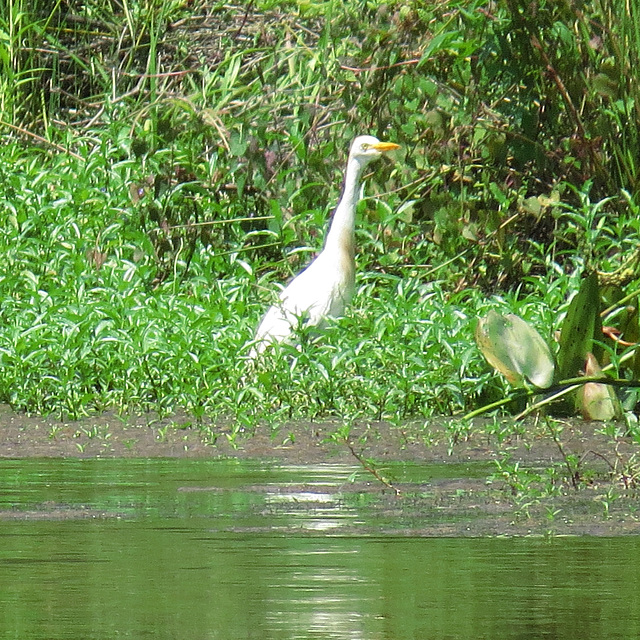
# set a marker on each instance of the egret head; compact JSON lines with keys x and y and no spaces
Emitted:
{"x":364,"y":149}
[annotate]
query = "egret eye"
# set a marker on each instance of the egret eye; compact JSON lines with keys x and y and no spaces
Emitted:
{"x":365,"y":146}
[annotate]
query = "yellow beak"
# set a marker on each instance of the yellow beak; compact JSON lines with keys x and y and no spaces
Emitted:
{"x":385,"y":146}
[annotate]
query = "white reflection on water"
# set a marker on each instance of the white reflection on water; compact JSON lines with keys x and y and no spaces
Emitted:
{"x":318,"y":600}
{"x":315,"y":506}
{"x":311,"y":511}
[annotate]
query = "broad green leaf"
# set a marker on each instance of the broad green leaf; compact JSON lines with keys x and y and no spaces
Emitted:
{"x":490,"y":332}
{"x":515,"y":349}
{"x":629,"y":326}
{"x":579,"y":328}
{"x":603,"y":84}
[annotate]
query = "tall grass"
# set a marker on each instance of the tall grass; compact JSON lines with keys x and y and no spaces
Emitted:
{"x":19,"y":64}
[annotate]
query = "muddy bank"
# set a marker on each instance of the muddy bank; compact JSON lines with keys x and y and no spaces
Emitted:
{"x":457,"y":506}
{"x":112,"y":435}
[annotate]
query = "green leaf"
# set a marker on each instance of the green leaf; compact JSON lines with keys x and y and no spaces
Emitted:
{"x":515,"y":349}
{"x":579,"y":328}
{"x":629,"y":325}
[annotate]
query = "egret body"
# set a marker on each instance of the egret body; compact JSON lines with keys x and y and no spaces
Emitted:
{"x":326,"y":286}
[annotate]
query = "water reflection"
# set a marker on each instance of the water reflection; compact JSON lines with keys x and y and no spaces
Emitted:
{"x":175,"y":549}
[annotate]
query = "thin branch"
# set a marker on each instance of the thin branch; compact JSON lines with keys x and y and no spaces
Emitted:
{"x":380,"y":68}
{"x":575,"y":116}
{"x":28,"y":133}
{"x":372,"y":470}
{"x":574,"y":474}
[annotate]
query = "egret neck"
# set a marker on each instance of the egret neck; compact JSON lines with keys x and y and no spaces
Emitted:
{"x":341,"y":231}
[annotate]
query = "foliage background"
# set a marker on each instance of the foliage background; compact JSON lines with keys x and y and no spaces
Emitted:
{"x":166,"y":164}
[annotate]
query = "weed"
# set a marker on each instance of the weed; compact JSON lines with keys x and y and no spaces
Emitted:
{"x":54,"y":430}
{"x":92,"y":432}
{"x":551,"y":513}
{"x":526,"y":485}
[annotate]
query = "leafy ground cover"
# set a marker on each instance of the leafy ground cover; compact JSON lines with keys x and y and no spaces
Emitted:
{"x":165,"y":165}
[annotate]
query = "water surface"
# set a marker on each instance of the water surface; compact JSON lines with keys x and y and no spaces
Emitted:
{"x":236,"y":549}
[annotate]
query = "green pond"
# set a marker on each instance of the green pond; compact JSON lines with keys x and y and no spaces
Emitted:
{"x":203,"y":549}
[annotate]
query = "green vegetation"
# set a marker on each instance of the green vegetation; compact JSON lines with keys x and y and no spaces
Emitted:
{"x":165,"y":164}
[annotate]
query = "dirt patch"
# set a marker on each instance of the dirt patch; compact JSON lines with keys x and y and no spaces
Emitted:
{"x":460,"y":506}
{"x":147,"y":435}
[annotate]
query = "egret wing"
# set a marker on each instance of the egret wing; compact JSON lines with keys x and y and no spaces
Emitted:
{"x":323,"y":289}
{"x":319,"y":291}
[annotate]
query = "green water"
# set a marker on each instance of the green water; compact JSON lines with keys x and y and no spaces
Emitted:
{"x":233,"y":550}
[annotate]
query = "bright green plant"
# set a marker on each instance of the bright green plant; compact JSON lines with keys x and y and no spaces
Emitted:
{"x":199,"y":167}
{"x":521,"y":355}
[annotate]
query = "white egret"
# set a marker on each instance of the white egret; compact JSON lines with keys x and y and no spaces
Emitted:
{"x":326,"y":286}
